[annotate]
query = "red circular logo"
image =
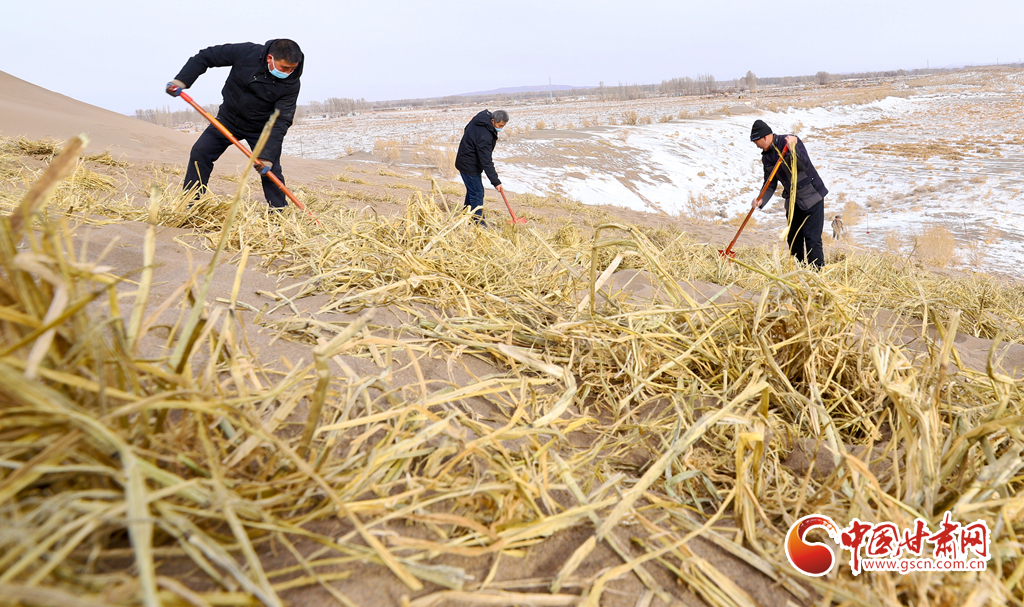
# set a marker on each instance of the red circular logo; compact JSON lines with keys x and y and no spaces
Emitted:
{"x":814,"y":559}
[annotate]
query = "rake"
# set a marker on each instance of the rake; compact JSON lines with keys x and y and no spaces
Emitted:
{"x":728,"y":252}
{"x":507,"y":205}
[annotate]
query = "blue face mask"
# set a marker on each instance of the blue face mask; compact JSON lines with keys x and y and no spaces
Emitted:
{"x":276,"y":73}
{"x":498,"y":128}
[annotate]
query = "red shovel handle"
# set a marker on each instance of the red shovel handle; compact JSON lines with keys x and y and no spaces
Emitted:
{"x":509,"y":207}
{"x":728,"y":250}
{"x":224,"y":131}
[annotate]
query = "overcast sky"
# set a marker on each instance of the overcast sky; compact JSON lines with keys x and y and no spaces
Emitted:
{"x":118,"y":54}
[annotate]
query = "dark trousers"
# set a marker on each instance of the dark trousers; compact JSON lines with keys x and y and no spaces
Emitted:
{"x":208,"y":148}
{"x":474,"y":194}
{"x":804,"y":235}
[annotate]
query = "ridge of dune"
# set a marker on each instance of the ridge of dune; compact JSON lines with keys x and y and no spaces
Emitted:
{"x":34,"y":112}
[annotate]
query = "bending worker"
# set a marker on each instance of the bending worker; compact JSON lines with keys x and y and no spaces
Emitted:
{"x":263,"y":77}
{"x":474,"y":157}
{"x":808,"y":216}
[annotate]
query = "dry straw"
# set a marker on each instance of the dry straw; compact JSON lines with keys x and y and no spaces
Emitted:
{"x":206,"y":459}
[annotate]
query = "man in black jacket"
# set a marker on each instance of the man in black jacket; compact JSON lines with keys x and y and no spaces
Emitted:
{"x":474,"y":157}
{"x":808,"y":216}
{"x":263,"y":77}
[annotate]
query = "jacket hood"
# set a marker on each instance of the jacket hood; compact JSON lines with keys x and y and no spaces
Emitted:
{"x":483,"y":119}
{"x":294,"y":76}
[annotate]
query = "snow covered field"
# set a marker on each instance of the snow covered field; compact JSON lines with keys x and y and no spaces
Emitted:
{"x":944,"y":153}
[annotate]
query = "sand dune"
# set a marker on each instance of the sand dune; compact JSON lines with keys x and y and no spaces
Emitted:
{"x":34,"y":112}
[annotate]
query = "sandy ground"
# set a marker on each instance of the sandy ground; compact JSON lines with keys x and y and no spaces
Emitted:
{"x":33,"y":112}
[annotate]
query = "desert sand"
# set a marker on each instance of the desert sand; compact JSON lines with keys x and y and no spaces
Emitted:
{"x":425,"y":351}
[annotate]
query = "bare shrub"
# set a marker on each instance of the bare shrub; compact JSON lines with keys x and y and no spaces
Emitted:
{"x":852,"y":212}
{"x":698,"y":207}
{"x":936,"y":245}
{"x":387,"y":150}
{"x":570,"y":126}
{"x":586,"y":123}
{"x":443,"y":159}
{"x":541,"y":125}
{"x":645,"y":120}
{"x":893,"y":242}
{"x":623,"y":135}
{"x":977,"y":248}
{"x":629,"y":118}
{"x":665,"y":118}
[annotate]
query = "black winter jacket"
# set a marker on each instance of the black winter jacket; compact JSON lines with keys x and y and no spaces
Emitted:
{"x":810,"y":189}
{"x":251,"y":93}
{"x":478,"y":140}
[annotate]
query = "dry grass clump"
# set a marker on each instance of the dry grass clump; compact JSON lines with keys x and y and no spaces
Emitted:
{"x":946,"y":150}
{"x":262,"y":483}
{"x":935,"y":245}
{"x":699,"y":208}
{"x":106,"y":159}
{"x":350,"y":179}
{"x":44,"y":149}
{"x":872,"y":95}
{"x":630,"y":118}
{"x":852,"y":211}
{"x":443,"y":159}
{"x":388,"y":150}
{"x":977,"y":247}
{"x":737,"y":220}
{"x":894,"y":242}
{"x":540,"y":125}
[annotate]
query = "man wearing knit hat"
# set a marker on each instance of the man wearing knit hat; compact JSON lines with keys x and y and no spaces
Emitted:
{"x":807,"y":217}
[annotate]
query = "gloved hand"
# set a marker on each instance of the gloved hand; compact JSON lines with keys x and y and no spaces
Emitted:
{"x":174,"y":87}
{"x":267,"y":166}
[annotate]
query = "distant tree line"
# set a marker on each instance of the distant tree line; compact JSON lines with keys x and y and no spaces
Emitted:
{"x":332,"y":107}
{"x":165,"y":116}
{"x":703,"y":84}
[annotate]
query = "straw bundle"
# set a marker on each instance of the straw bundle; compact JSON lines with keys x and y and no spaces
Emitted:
{"x":657,"y":418}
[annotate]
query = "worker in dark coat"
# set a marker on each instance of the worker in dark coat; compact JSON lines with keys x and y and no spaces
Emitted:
{"x":263,"y":78}
{"x":474,"y":157}
{"x":808,"y":216}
